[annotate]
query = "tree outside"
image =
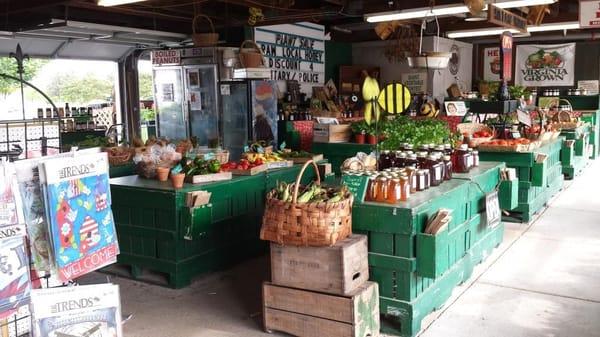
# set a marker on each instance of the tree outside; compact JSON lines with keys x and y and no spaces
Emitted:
{"x":81,"y":89}
{"x":8,"y":66}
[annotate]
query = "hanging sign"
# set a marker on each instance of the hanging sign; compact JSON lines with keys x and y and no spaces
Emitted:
{"x":491,"y":64}
{"x":589,"y":14}
{"x":164,"y":57}
{"x":506,"y":52}
{"x":415,"y":82}
{"x":492,"y":209}
{"x":294,"y":52}
{"x":504,"y":18}
{"x":545,"y":65}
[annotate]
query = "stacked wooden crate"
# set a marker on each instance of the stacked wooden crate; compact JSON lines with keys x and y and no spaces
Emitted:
{"x":576,"y":151}
{"x":322,"y":291}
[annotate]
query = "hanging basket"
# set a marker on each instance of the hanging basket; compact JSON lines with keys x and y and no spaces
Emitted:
{"x":251,"y":57}
{"x":314,"y":224}
{"x":204,"y":39}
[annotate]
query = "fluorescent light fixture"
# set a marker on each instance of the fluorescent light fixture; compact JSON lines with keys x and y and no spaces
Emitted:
{"x":418,"y":13}
{"x":108,"y":3}
{"x":497,"y":31}
{"x":522,"y":3}
{"x":478,"y":32}
{"x":553,"y":26}
{"x":479,"y":17}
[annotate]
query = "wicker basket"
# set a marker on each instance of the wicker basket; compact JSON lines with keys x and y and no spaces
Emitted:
{"x":120,"y":159}
{"x":471,"y":128}
{"x":251,"y":57}
{"x":204,"y":39}
{"x":315,"y":224}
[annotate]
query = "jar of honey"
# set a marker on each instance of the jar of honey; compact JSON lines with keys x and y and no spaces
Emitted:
{"x":411,"y":172}
{"x":404,"y":188}
{"x":394,"y":191}
{"x":382,"y":189}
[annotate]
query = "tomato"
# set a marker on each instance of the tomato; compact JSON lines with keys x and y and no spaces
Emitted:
{"x":485,"y":134}
{"x":502,"y":143}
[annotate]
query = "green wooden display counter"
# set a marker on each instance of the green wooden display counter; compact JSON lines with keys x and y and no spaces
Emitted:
{"x":593,"y":117}
{"x":538,"y":182}
{"x":121,"y":171}
{"x":574,"y":155}
{"x":158,"y":233}
{"x":337,"y":153}
{"x":417,"y":272}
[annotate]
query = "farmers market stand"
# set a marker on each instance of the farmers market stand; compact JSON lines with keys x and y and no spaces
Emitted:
{"x":417,"y":272}
{"x":336,"y":153}
{"x":157,"y":232}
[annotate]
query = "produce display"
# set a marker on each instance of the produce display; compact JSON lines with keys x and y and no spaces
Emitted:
{"x":403,"y":129}
{"x":312,"y":193}
{"x":198,"y":166}
{"x":243,"y":164}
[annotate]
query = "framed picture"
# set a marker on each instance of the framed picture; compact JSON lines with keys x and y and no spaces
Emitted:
{"x":194,"y":79}
{"x":168,"y":92}
{"x":455,"y":108}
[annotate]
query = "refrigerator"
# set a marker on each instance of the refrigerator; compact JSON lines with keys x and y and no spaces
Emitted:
{"x":249,"y":113}
{"x":186,"y":101}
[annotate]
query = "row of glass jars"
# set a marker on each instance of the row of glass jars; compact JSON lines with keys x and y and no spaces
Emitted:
{"x":464,"y":159}
{"x":407,"y":157}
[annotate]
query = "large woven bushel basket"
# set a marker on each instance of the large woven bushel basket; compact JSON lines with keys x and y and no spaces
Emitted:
{"x":314,"y":224}
{"x":204,"y":39}
{"x":251,"y":57}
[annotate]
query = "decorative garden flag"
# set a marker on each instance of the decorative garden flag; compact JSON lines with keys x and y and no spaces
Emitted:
{"x":545,"y":65}
{"x":81,"y":225}
{"x":15,"y":284}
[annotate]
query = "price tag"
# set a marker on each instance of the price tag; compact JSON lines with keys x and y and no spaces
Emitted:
{"x":524,"y":117}
{"x":357,"y":186}
{"x":492,"y":209}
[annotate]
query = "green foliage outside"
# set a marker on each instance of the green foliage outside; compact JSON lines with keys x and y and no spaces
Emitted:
{"x":8,"y":66}
{"x":81,"y":90}
{"x":145,"y":84}
{"x":147,"y":115}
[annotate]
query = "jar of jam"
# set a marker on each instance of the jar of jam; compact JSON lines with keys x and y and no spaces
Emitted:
{"x":436,"y":170}
{"x":448,"y":149}
{"x":404,"y":146}
{"x":384,"y":160}
{"x":411,"y":172}
{"x":421,"y":159}
{"x":421,"y":181}
{"x":440,"y":148}
{"x":475,"y":158}
{"x":400,"y":159}
{"x":460,"y":159}
{"x":411,"y":160}
{"x":371,"y":189}
{"x":447,"y":167}
{"x":382,"y":189}
{"x":404,"y":188}
{"x":424,"y":148}
{"x":471,"y":159}
{"x":409,"y":147}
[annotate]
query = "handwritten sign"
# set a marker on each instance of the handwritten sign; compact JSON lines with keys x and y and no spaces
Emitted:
{"x":504,"y":18}
{"x":415,"y":82}
{"x":357,"y":185}
{"x":492,"y":209}
{"x":294,"y":51}
{"x":524,"y":117}
{"x":164,"y":57}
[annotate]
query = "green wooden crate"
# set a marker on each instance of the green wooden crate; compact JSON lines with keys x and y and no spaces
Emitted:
{"x":593,"y":117}
{"x":403,"y":318}
{"x":508,"y":194}
{"x":158,"y":233}
{"x":482,"y":180}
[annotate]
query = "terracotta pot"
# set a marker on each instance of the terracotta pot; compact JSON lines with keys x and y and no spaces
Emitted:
{"x":359,"y":138}
{"x":162,"y":173}
{"x":177,"y":180}
{"x":371,"y":139}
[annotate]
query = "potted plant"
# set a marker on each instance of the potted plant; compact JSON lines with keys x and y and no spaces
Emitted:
{"x":359,"y":129}
{"x":371,"y":135}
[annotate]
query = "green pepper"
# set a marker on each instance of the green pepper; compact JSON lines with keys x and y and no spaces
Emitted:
{"x":214,"y":166}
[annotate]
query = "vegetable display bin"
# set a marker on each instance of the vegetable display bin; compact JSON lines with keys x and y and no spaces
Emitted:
{"x":532,"y":198}
{"x":417,"y":272}
{"x":158,"y":233}
{"x":575,"y":157}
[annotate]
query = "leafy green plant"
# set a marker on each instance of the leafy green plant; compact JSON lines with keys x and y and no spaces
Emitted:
{"x":417,"y":132}
{"x":517,"y":91}
{"x":147,"y":115}
{"x":359,"y":127}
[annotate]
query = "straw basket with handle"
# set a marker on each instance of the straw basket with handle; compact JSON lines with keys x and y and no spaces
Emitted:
{"x":471,"y":128}
{"x":314,"y":224}
{"x":204,"y":39}
{"x":251,"y":57}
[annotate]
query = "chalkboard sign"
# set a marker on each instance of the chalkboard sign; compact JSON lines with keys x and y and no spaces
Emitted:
{"x":357,"y":185}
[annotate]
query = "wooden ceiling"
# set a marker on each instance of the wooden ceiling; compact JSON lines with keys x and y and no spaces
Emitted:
{"x":344,"y":18}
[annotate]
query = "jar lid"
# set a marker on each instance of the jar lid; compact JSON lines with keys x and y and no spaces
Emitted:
{"x":447,"y":158}
{"x":383,"y":179}
{"x":396,"y":180}
{"x":402,"y":154}
{"x":409,"y":146}
{"x":475,"y":152}
{"x":464,"y":147}
{"x":412,"y":156}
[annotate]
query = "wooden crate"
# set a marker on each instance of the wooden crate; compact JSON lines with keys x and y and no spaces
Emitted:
{"x":311,"y":314}
{"x":340,"y":269}
{"x":316,"y":158}
{"x":251,"y":172}
{"x":331,"y":133}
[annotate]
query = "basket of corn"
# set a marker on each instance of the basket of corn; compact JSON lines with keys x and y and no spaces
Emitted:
{"x":311,"y":215}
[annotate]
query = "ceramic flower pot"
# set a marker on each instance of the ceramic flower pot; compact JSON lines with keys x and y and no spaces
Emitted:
{"x":359,"y":138}
{"x":162,"y":173}
{"x":177,"y":180}
{"x":371,"y":139}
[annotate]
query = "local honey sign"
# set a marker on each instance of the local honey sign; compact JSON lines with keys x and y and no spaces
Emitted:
{"x":294,"y":52}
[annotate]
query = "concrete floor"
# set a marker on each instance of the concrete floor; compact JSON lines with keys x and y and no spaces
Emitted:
{"x":542,"y":281}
